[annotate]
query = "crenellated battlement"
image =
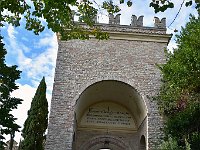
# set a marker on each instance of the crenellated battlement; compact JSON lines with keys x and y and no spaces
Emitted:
{"x":134,"y":31}
{"x":114,"y":20}
{"x":159,"y":23}
{"x":136,"y":22}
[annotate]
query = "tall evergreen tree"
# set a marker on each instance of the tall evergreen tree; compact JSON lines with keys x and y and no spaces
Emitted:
{"x":8,"y":76}
{"x":37,"y":120}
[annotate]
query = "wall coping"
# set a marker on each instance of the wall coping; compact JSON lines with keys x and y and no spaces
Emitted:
{"x":131,"y":33}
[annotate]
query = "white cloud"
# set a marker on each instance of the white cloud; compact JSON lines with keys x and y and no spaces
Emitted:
{"x":15,"y":48}
{"x":25,"y":48}
{"x":171,"y":46}
{"x":11,"y":32}
{"x":25,"y":92}
{"x":35,"y":66}
{"x":44,"y":63}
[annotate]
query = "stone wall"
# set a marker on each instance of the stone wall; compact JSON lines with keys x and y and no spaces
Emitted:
{"x":129,"y":56}
{"x":82,"y":63}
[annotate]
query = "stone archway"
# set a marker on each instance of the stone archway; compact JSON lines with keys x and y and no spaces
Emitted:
{"x":109,"y":110}
{"x":105,"y":142}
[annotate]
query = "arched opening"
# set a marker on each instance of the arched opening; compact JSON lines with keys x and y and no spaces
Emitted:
{"x":109,"y":108}
{"x":108,"y":142}
{"x":142,"y":143}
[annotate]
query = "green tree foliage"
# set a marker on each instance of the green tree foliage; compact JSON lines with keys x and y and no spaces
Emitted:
{"x":37,"y":120}
{"x":59,"y":15}
{"x":170,"y":144}
{"x":162,"y":5}
{"x":179,"y":97}
{"x":8,"y":76}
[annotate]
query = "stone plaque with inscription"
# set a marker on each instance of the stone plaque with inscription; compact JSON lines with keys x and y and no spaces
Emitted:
{"x":107,"y":115}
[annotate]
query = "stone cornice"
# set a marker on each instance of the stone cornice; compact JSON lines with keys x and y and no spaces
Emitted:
{"x":126,"y":32}
{"x":126,"y":28}
{"x":149,"y":37}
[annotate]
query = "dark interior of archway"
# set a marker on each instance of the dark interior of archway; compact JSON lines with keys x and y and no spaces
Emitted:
{"x":142,"y":143}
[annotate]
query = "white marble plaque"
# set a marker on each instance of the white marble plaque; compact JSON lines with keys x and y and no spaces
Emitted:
{"x":107,"y":114}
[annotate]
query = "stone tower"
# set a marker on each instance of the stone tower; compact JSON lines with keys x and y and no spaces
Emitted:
{"x":102,"y":89}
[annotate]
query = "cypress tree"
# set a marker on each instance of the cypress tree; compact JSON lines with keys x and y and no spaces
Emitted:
{"x":37,"y":120}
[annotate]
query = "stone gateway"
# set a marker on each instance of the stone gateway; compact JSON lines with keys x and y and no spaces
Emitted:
{"x":102,"y":91}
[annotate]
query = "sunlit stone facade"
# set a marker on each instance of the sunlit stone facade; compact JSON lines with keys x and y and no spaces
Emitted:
{"x":102,"y":90}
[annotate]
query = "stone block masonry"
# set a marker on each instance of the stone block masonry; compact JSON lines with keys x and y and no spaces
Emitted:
{"x":129,"y":56}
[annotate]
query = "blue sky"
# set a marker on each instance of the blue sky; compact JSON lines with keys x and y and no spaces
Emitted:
{"x":35,"y":55}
